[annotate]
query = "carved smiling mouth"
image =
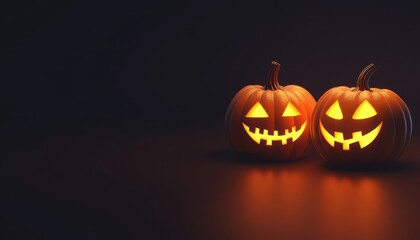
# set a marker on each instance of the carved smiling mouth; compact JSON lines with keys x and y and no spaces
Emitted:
{"x":363,"y":140}
{"x":257,"y":136}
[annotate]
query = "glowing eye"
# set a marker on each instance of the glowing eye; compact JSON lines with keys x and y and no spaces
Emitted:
{"x":257,"y":111}
{"x":365,"y":110}
{"x":335,"y":111}
{"x":290,"y":111}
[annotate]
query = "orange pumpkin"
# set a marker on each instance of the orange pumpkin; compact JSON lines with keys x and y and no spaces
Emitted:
{"x":361,"y":124}
{"x":271,"y":122}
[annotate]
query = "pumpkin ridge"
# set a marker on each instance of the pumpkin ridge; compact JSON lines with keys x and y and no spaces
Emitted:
{"x":257,"y":94}
{"x":406,"y":114}
{"x":237,"y":109}
{"x":235,"y":101}
{"x":290,"y":151}
{"x":393,"y":101}
{"x":325,"y":105}
{"x":391,"y":110}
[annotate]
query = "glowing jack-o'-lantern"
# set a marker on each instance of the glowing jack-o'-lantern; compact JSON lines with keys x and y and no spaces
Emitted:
{"x":272,"y":121}
{"x":361,"y":124}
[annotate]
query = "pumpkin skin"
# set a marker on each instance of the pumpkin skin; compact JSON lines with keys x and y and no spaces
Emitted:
{"x":361,"y":125}
{"x":270,"y":122}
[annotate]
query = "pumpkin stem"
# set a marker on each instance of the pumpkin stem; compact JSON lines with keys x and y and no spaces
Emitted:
{"x":273,"y":80}
{"x":363,"y":79}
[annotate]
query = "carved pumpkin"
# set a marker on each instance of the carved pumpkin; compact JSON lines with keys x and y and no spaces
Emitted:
{"x":271,"y":122}
{"x":361,"y":124}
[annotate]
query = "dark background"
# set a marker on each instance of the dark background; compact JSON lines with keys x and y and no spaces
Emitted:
{"x":83,"y":80}
{"x":163,"y":65}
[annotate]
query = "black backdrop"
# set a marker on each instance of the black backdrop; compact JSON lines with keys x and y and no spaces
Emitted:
{"x":163,"y":65}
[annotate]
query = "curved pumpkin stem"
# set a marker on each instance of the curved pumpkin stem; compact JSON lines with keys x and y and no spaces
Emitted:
{"x":363,"y":79}
{"x":273,"y":80}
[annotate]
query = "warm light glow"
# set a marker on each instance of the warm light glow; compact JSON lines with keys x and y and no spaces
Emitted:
{"x":363,"y":140}
{"x":257,"y":136}
{"x":365,"y":110}
{"x":290,"y":111}
{"x":257,"y":111}
{"x":335,"y":111}
{"x":349,"y":204}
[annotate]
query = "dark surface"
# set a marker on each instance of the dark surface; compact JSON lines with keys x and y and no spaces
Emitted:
{"x":190,"y":185}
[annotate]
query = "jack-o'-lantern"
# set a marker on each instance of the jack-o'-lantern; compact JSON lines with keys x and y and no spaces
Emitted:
{"x":361,"y":124}
{"x":271,"y":122}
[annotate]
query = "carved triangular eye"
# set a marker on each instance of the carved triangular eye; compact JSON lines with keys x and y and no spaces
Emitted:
{"x":257,"y":111}
{"x":365,"y":110}
{"x":335,"y":111}
{"x":290,"y":111}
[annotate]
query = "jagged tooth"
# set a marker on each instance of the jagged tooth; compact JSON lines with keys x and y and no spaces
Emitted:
{"x":286,"y":132}
{"x":269,"y":142}
{"x":339,"y":136}
{"x":284,"y":141}
{"x":346,"y":146}
{"x":257,"y":130}
{"x":357,"y":134}
{"x":265,"y":132}
{"x":276,"y":133}
{"x":294,"y":129}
